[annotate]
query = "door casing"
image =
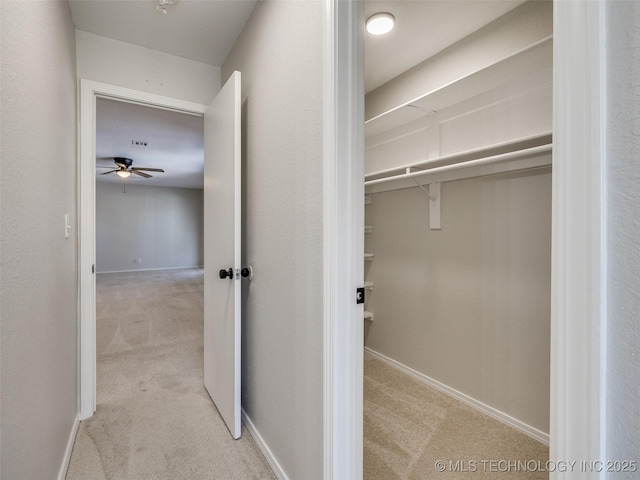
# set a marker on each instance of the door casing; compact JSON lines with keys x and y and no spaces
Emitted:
{"x":89,"y":91}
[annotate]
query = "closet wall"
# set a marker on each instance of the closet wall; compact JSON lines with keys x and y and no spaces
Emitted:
{"x":467,"y":306}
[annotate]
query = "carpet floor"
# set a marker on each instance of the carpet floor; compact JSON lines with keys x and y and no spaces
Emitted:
{"x":155,"y":421}
{"x":154,"y":418}
{"x":409,"y":427}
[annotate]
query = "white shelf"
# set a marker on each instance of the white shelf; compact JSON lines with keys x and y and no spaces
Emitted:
{"x":498,"y":149}
{"x":368,"y":285}
{"x":528,"y":61}
{"x":368,"y":316}
{"x":368,"y":229}
{"x":525,"y":159}
{"x":368,"y":256}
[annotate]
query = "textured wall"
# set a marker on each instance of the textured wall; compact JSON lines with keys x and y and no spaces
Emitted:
{"x":39,"y":273}
{"x":119,"y":63}
{"x":162,"y":226}
{"x":280,"y":55}
{"x":623,"y":236}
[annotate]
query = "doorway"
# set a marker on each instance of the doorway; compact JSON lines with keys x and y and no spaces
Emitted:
{"x":457,"y":161}
{"x":90,"y":91}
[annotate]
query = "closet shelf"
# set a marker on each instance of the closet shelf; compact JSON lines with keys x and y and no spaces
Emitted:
{"x":368,"y":316}
{"x":368,"y":285}
{"x":526,"y":62}
{"x":368,"y":229}
{"x":518,"y":144}
{"x":470,"y":167}
{"x":518,"y":160}
{"x":368,"y":256}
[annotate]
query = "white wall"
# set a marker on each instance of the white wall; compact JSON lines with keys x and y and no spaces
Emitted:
{"x":280,"y":55}
{"x":119,"y":63}
{"x":469,"y":305}
{"x":38,"y":293}
{"x":161,"y":226}
{"x":623,"y":236}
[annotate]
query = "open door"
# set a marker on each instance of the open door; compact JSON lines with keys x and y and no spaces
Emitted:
{"x":222,"y":280}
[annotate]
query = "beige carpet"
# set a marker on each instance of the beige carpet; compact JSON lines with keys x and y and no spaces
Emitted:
{"x":154,"y":419}
{"x":408,"y":427}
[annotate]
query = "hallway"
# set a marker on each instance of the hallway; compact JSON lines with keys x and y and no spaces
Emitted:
{"x":154,"y":419}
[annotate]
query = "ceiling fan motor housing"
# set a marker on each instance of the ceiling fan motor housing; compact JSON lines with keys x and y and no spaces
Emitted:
{"x":125,"y":162}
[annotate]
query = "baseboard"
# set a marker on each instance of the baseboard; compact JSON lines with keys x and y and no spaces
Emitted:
{"x":148,"y":269}
{"x":67,"y":453}
{"x":264,"y":448}
{"x":466,"y":399}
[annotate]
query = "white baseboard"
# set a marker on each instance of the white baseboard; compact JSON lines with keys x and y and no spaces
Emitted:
{"x":466,"y":399}
{"x":264,"y":448}
{"x":148,"y":269}
{"x":67,"y":453}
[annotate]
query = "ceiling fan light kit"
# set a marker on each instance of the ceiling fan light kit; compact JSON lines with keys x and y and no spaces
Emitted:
{"x":125,"y":168}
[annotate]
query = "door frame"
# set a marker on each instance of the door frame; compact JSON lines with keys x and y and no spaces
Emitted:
{"x":579,"y":240}
{"x":579,"y":245}
{"x":343,"y":229}
{"x":89,"y":91}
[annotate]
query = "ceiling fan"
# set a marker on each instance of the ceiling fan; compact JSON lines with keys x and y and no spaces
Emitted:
{"x":126,"y":168}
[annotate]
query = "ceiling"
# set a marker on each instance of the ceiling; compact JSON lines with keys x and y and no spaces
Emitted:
{"x":200,"y":30}
{"x":205,"y":31}
{"x":423,"y":28}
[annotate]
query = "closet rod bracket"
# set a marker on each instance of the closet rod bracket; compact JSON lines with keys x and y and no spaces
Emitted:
{"x":434,"y":201}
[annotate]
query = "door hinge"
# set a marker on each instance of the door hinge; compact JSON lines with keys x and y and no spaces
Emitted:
{"x":93,"y":268}
{"x":360,"y":295}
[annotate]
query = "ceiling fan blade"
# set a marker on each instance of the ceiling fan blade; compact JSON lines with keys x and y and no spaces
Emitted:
{"x":110,"y":171}
{"x":148,"y":169}
{"x":142,"y":174}
{"x":103,"y":166}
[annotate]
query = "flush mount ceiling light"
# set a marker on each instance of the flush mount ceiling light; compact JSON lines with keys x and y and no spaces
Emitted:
{"x":162,"y":5}
{"x":380,"y":23}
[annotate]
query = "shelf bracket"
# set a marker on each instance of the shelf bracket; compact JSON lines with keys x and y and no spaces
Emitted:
{"x":434,"y":201}
{"x":434,"y":206}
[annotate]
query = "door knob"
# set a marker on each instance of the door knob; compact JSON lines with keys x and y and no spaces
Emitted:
{"x":226,"y":273}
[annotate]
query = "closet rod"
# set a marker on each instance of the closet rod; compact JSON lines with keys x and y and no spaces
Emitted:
{"x":481,"y":152}
{"x":527,"y":152}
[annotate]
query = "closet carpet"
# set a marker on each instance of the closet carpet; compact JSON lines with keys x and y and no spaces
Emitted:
{"x":154,"y":419}
{"x":413,"y":432}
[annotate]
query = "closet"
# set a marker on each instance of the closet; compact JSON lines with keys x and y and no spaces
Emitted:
{"x":458,"y":220}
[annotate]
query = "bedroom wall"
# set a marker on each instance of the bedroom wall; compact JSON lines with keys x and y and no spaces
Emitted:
{"x":161,"y":226}
{"x":38,"y":289}
{"x":280,"y":55}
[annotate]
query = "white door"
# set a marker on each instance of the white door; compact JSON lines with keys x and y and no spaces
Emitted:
{"x":222,"y":282}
